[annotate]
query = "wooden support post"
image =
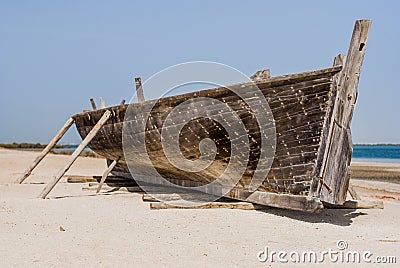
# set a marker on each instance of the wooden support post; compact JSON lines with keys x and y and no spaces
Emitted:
{"x":102,"y":103}
{"x":106,"y":172}
{"x":76,"y":153}
{"x":139,"y":90}
{"x":353,"y":192}
{"x":93,"y":104}
{"x":46,"y":150}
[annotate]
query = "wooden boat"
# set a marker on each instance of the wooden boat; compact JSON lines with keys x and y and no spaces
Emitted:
{"x":312,"y":113}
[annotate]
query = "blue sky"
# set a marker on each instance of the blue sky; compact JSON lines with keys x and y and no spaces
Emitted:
{"x":56,"y":55}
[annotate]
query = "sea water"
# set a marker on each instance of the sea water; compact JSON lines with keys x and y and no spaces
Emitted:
{"x":376,"y":153}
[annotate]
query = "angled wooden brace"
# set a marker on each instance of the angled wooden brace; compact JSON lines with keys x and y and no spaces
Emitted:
{"x":76,"y":153}
{"x":45,"y":151}
{"x":106,"y":172}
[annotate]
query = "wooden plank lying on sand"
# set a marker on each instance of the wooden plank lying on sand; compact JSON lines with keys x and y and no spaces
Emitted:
{"x":80,"y":179}
{"x":213,"y":205}
{"x":134,"y":189}
{"x":163,"y":197}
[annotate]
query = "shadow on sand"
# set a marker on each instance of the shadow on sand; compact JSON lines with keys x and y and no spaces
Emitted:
{"x":340,"y":217}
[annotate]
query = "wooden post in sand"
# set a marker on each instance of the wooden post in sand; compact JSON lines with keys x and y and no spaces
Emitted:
{"x":76,"y":153}
{"x":139,"y":89}
{"x":46,"y":150}
{"x":106,"y":172}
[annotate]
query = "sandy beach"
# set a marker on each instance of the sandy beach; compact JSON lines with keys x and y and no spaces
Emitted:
{"x":78,"y":228}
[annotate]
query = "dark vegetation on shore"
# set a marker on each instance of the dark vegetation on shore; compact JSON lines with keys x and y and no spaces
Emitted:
{"x":25,"y":145}
{"x":39,"y":146}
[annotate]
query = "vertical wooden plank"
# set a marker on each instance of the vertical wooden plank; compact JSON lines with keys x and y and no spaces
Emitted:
{"x":139,"y":89}
{"x":76,"y":153}
{"x":46,"y":150}
{"x":327,"y":131}
{"x":93,"y":105}
{"x":102,"y":103}
{"x":338,"y":151}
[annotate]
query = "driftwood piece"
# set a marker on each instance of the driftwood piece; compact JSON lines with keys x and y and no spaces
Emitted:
{"x":46,"y":150}
{"x":76,"y":153}
{"x":139,"y":89}
{"x":106,"y":173}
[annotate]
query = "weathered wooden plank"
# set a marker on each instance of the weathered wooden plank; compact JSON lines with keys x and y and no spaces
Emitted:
{"x":46,"y":150}
{"x":139,"y":89}
{"x":335,"y":165}
{"x":76,"y":153}
{"x":327,"y":132}
{"x":152,"y":196}
{"x":281,"y":200}
{"x":93,"y":104}
{"x":131,"y":189}
{"x":213,"y":205}
{"x":261,"y":75}
{"x":102,"y":103}
{"x":158,"y":197}
{"x":80,"y":179}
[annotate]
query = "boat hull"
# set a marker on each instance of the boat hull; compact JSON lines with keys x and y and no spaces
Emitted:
{"x":299,"y":104}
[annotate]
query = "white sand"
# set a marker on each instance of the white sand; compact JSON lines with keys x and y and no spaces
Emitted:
{"x":118,"y":229}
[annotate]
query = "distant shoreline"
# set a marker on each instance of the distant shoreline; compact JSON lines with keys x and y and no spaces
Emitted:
{"x":377,"y":144}
{"x":58,"y":149}
{"x":26,"y":145}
